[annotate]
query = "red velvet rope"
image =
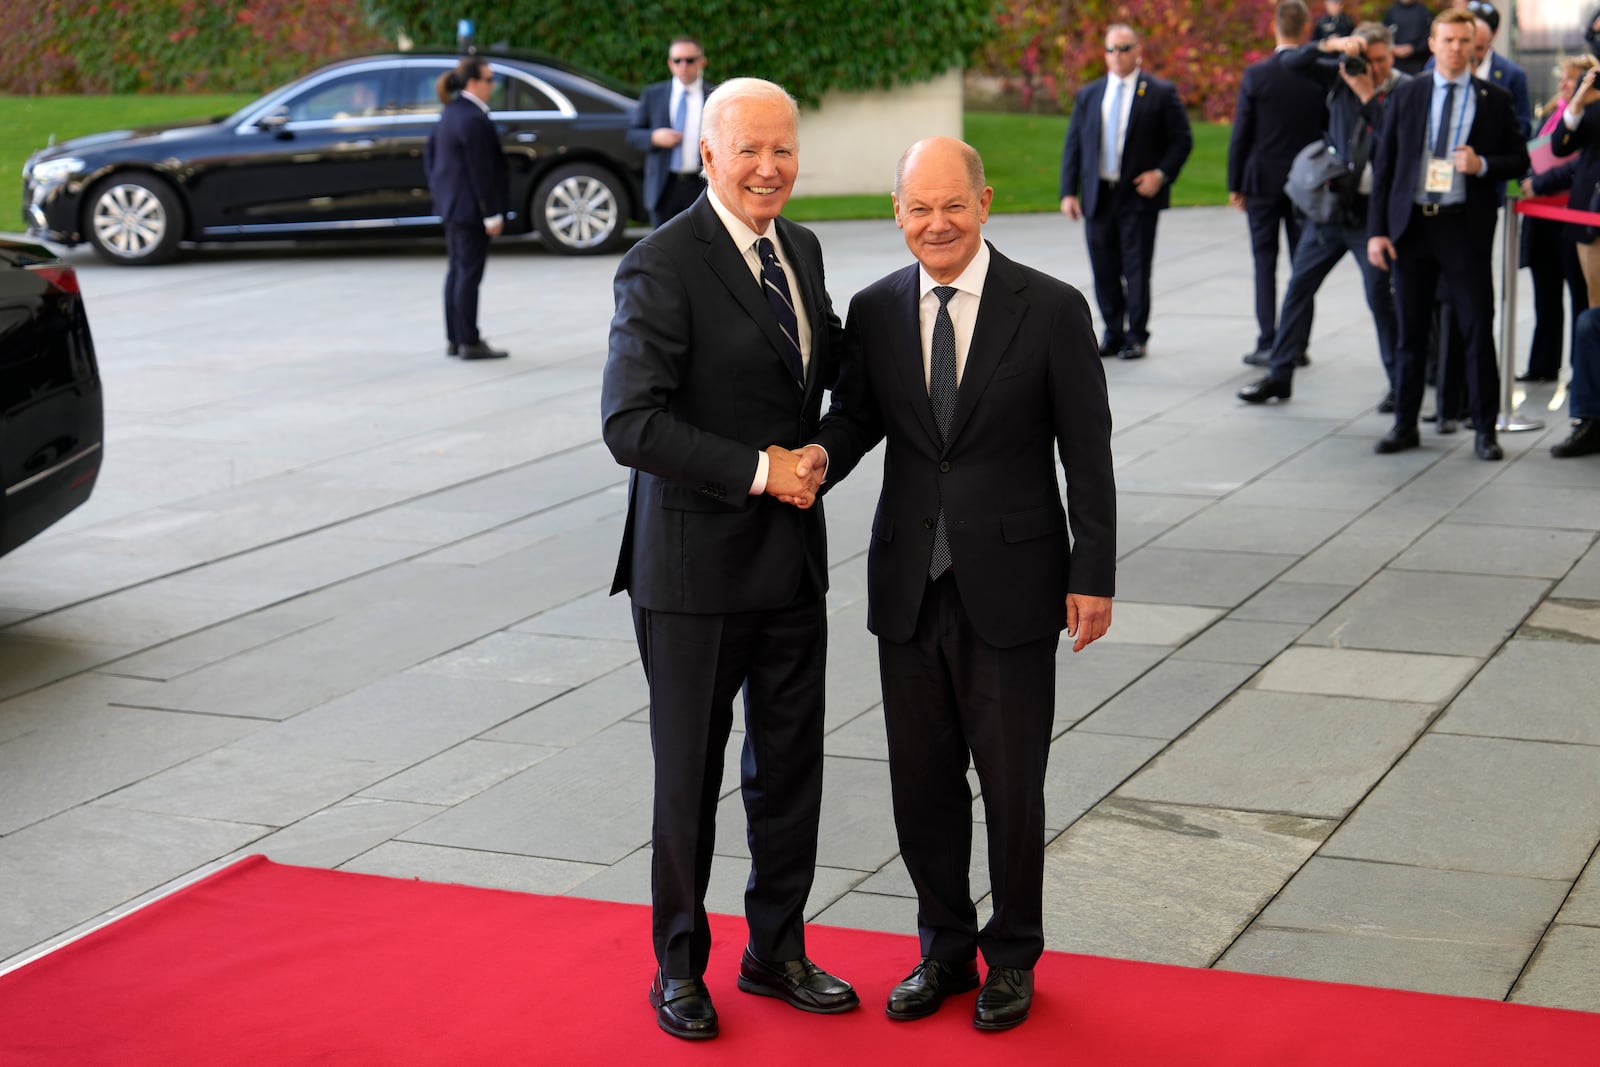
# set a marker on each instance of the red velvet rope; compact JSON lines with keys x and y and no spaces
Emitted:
{"x":1555,"y":207}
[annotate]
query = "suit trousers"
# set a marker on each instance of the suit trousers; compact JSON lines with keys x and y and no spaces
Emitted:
{"x":1583,"y":397}
{"x":680,"y":191}
{"x":1455,"y":249}
{"x":1266,"y":215}
{"x":1122,"y":245}
{"x":1321,"y":247}
{"x":468,"y":248}
{"x":948,"y":696}
{"x":1553,"y":263}
{"x":695,"y":665}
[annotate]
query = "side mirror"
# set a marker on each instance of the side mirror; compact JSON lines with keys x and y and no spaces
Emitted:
{"x":275,"y":121}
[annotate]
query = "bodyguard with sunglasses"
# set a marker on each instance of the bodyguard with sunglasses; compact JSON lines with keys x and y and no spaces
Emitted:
{"x":1128,"y":139}
{"x":666,"y":127}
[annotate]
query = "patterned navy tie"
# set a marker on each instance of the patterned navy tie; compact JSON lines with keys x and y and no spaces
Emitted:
{"x":776,"y":285}
{"x":942,"y":398}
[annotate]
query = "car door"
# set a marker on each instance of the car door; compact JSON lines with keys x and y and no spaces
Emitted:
{"x":307,"y":161}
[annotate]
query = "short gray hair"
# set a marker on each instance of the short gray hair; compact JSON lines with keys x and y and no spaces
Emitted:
{"x":969,"y":156}
{"x":735,"y":90}
{"x":1375,"y":33}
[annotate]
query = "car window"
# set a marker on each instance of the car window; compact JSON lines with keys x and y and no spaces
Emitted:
{"x":419,"y":95}
{"x":521,"y":96}
{"x":358,"y":95}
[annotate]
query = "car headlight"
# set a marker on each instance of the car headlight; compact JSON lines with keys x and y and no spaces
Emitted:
{"x":52,"y":171}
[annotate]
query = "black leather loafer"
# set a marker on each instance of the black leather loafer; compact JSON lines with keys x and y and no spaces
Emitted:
{"x":1486,"y":447}
{"x":927,"y":985}
{"x":1398,"y":439}
{"x":1268,"y":388}
{"x":799,"y":983}
{"x":1004,"y":1001}
{"x":481,"y":350}
{"x":1132,"y":351}
{"x":1584,"y":441}
{"x":683,"y":1007}
{"x":452,"y":349}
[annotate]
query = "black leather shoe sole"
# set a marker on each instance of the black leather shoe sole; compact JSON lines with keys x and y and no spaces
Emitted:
{"x":1003,"y":1024}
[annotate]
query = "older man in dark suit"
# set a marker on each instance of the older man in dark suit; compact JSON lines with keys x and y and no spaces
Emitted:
{"x":979,"y":372}
{"x":1128,"y":139}
{"x":722,"y":343}
{"x":1279,"y":112}
{"x":666,"y":128}
{"x":1449,"y":143}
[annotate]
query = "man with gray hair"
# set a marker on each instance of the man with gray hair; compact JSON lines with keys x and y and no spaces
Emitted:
{"x":1359,"y":92}
{"x":722,"y":343}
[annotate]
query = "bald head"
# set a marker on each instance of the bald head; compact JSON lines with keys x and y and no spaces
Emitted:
{"x":941,"y":204}
{"x":937,"y":148}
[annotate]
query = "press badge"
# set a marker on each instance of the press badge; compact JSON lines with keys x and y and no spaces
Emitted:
{"x":1441,"y":175}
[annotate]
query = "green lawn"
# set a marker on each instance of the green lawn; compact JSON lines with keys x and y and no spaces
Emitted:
{"x":1022,"y":153}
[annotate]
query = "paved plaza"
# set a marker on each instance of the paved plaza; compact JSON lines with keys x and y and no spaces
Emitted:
{"x":342,"y":601}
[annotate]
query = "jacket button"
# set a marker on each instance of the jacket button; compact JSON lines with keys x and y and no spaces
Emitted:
{"x":927,"y":524}
{"x":944,"y":468}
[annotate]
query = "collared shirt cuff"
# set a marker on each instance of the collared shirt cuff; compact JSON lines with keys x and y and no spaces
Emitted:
{"x":492,"y":221}
{"x":1569,"y":119}
{"x":1483,"y":166}
{"x":759,"y":486}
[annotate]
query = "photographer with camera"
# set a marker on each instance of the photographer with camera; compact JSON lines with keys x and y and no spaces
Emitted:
{"x":1358,"y":73}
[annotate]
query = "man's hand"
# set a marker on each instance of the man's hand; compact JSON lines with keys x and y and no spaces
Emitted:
{"x":784,"y":479}
{"x":495,"y":228}
{"x":1380,"y":252}
{"x":1404,"y":51}
{"x":1467,"y":160}
{"x":1149,"y":183}
{"x":1236,"y":200}
{"x":1360,"y":84}
{"x":665,"y":137}
{"x":1088,"y":619}
{"x":1071,"y":208}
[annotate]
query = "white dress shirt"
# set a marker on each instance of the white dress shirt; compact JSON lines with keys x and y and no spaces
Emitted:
{"x":1111,"y":169}
{"x":691,"y":125}
{"x":963,"y":309}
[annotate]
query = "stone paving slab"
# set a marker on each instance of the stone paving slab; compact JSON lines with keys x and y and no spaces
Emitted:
{"x":1531,"y":690}
{"x":1495,"y":806}
{"x":340,"y":832}
{"x":1470,"y":548}
{"x":1295,"y":754}
{"x":1407,"y":677}
{"x":1167,"y":700}
{"x":458,"y":773}
{"x":462,"y":866}
{"x":579,"y":712}
{"x":1157,"y":624}
{"x":1167,"y":884}
{"x":1583,"y":581}
{"x":1207,"y":579}
{"x":1582,"y":907}
{"x":1084,"y":768}
{"x":1292,"y":601}
{"x":1405,"y":927}
{"x":1565,"y":620}
{"x":1565,"y":973}
{"x":1410,"y":611}
{"x":1245,"y":528}
{"x":1235,"y":641}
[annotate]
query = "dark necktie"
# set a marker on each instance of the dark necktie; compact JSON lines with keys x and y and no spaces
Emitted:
{"x":776,"y":285}
{"x":942,"y":398}
{"x":1441,"y":140}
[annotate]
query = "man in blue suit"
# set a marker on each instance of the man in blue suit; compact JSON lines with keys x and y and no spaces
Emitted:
{"x":466,"y":171}
{"x":666,"y":127}
{"x":1279,"y":113}
{"x":1448,"y":145}
{"x":1128,"y":139}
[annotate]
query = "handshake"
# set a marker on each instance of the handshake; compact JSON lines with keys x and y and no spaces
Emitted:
{"x":795,"y":477}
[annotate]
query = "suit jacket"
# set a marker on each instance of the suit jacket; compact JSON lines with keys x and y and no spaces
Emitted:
{"x":1158,"y":136}
{"x":1032,"y":389}
{"x":1514,"y":80}
{"x":1279,"y":112}
{"x":1397,"y":157}
{"x":655,"y":111}
{"x":465,"y":165}
{"x":694,"y":386}
{"x":1585,"y":169}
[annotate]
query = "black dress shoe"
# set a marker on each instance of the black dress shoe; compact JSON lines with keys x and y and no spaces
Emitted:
{"x":1386,"y":405}
{"x":1487,"y":447}
{"x":452,"y":349}
{"x":1398,"y":439}
{"x":480,"y":350}
{"x":799,"y":983}
{"x":683,"y":1007}
{"x":1259,"y":358}
{"x":1303,"y":359}
{"x":1585,"y":440}
{"x":927,"y":985}
{"x":1004,"y":1001}
{"x":1131,"y":351}
{"x":1529,"y":376}
{"x":1109,"y":349}
{"x":1446,"y":426}
{"x":1268,"y":388}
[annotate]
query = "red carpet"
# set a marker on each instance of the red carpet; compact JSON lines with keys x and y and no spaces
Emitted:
{"x":266,"y":964}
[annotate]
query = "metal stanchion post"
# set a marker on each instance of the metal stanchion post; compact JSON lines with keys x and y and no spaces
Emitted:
{"x":1510,"y":420}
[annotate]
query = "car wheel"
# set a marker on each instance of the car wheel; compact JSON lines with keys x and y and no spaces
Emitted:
{"x":135,"y":219}
{"x":579,"y":210}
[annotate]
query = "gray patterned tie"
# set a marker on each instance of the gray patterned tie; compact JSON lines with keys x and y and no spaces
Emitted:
{"x":942,"y":398}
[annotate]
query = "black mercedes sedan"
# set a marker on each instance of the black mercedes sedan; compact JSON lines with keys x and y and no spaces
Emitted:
{"x":50,"y":407}
{"x":338,"y":154}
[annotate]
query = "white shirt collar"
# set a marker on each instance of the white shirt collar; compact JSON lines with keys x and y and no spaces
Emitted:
{"x":482,"y":106}
{"x":743,"y":236}
{"x":968,"y":281}
{"x":678,"y":88}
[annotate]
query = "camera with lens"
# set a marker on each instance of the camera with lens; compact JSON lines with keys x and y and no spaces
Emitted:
{"x":1355,"y":66}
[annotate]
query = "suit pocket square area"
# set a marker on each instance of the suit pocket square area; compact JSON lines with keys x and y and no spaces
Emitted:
{"x":683,"y":498}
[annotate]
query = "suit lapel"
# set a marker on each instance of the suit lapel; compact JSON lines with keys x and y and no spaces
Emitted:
{"x":730,"y":266}
{"x":999,"y":314}
{"x":905,"y":349}
{"x":1093,"y":134}
{"x":809,"y":294}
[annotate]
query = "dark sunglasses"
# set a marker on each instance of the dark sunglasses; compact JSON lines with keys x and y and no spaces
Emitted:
{"x":678,"y":61}
{"x":1120,"y":48}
